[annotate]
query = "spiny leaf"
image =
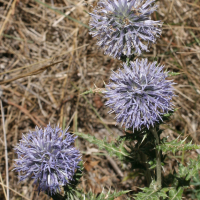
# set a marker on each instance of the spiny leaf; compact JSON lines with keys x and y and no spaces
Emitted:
{"x":70,"y":190}
{"x":196,"y":190}
{"x":111,"y":147}
{"x":177,"y":145}
{"x":176,"y":194}
{"x":87,"y":92}
{"x":151,"y":194}
{"x":169,"y":114}
{"x":107,"y":196}
{"x":96,"y":90}
{"x":181,"y":178}
{"x":173,"y":73}
{"x":190,"y":170}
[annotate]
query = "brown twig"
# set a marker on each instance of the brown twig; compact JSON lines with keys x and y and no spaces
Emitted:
{"x":6,"y":151}
{"x":37,"y":71}
{"x":26,"y":112}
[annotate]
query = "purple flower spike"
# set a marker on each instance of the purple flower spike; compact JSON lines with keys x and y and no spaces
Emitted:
{"x":49,"y":156}
{"x":124,"y":27}
{"x":139,"y":94}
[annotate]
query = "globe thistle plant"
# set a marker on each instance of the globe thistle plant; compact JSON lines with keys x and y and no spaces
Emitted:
{"x":124,"y":27}
{"x":139,"y":94}
{"x":49,"y":157}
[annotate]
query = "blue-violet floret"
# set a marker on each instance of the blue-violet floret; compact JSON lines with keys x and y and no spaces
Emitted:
{"x":139,"y":94}
{"x":49,"y":157}
{"x":124,"y":27}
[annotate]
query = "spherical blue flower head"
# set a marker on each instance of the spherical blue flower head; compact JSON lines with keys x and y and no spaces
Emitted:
{"x":124,"y":27}
{"x":49,"y":156}
{"x":139,"y":94}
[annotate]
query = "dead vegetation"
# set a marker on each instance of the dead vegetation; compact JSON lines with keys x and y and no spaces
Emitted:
{"x":47,"y":60}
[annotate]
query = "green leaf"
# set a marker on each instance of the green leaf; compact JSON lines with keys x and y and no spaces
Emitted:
{"x":181,"y":178}
{"x":107,"y":196}
{"x":177,"y":145}
{"x":70,"y":190}
{"x":96,"y":90}
{"x":169,"y":114}
{"x":176,"y":194}
{"x":87,"y":92}
{"x":111,"y":147}
{"x":190,"y":170}
{"x":173,"y":73}
{"x":152,"y":193}
{"x":152,"y":164}
{"x":196,"y":187}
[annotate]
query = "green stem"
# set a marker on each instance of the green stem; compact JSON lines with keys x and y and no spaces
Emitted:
{"x":158,"y":160}
{"x":128,"y":61}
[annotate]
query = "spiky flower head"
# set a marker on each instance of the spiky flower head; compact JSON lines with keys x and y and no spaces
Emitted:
{"x":139,"y":94}
{"x":49,"y":157}
{"x":124,"y":27}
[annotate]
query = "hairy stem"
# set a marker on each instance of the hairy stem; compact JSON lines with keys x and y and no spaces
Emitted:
{"x":158,"y":159}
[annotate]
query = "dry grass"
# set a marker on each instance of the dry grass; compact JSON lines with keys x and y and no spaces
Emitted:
{"x":47,"y":60}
